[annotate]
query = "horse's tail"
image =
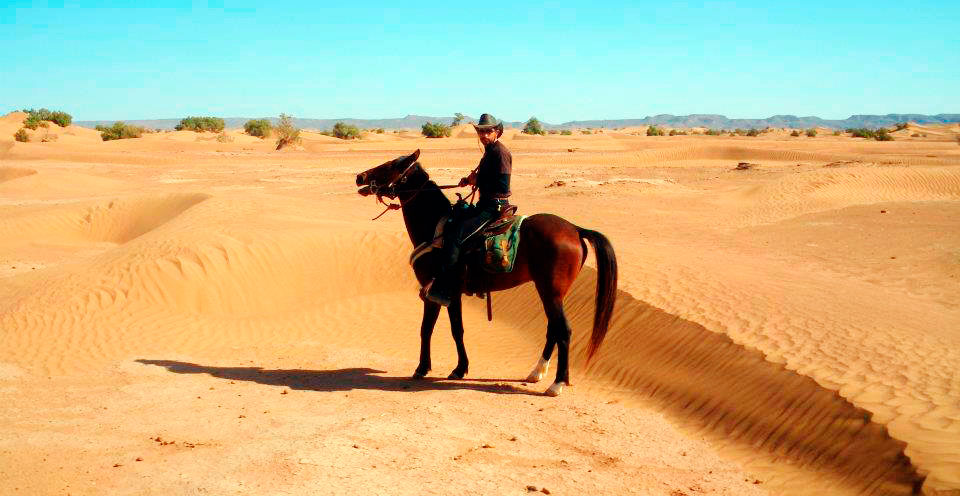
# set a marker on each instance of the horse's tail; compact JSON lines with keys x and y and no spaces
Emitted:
{"x":606,"y":287}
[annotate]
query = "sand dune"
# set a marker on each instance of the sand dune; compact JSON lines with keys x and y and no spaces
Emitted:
{"x":230,"y":315}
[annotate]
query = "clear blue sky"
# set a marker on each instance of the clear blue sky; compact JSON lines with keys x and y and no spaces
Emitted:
{"x":559,"y":61}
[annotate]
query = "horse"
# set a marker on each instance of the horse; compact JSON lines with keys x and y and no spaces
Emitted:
{"x":551,"y":253}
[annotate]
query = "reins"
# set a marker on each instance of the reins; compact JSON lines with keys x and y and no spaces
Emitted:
{"x":391,"y":191}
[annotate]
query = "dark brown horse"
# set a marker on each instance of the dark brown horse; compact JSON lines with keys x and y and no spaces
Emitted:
{"x":551,"y":253}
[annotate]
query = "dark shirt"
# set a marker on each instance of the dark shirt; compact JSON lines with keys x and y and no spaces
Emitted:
{"x":493,"y":173}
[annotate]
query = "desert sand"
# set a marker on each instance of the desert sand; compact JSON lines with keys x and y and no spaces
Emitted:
{"x":184,"y":316}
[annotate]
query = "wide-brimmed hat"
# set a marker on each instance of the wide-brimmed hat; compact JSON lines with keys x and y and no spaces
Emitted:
{"x":488,"y":122}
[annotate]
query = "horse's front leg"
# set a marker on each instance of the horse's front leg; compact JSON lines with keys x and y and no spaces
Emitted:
{"x":455,"y":311}
{"x":430,"y":313}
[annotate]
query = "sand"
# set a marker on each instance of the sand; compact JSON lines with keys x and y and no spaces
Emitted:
{"x":180,"y":315}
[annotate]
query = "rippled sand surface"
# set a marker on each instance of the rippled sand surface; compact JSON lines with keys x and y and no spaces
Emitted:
{"x":181,"y":315}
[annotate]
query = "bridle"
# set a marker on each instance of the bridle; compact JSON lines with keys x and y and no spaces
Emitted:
{"x":391,"y":191}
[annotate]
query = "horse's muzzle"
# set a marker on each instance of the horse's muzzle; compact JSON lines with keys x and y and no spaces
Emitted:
{"x":365,"y":191}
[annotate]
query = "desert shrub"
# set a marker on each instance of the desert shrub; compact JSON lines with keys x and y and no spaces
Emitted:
{"x":553,"y":131}
{"x":119,"y":130}
{"x":288,"y":135}
{"x":31,"y":122}
{"x":654,"y":131}
{"x":566,"y":132}
{"x":435,"y":130}
{"x":345,"y":131}
{"x":862,"y":132}
{"x":837,"y":133}
{"x":738,"y":132}
{"x":533,"y":126}
{"x":585,"y":131}
{"x":458,"y":119}
{"x":258,"y":127}
{"x":915,"y":135}
{"x":712,"y":132}
{"x":900,"y":125}
{"x":223,"y":137}
{"x":36,"y":116}
{"x":200,"y":124}
{"x":378,"y":130}
{"x":795,"y":133}
{"x":811,"y":132}
{"x":21,"y":135}
{"x":882,"y":135}
{"x":676,"y":132}
{"x":753,"y":132}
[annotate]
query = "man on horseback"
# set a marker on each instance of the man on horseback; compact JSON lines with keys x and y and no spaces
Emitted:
{"x":492,"y":179}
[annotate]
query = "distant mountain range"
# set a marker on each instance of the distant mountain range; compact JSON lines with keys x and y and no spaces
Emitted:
{"x":678,"y":121}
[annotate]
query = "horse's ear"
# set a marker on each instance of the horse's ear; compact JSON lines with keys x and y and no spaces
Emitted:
{"x":415,"y":155}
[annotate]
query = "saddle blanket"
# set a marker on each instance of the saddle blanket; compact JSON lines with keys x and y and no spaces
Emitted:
{"x":501,"y":240}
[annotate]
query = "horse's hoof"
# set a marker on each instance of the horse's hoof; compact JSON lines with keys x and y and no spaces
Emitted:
{"x":419,"y":375}
{"x":539,"y":370}
{"x":554,"y":390}
{"x":456,"y":374}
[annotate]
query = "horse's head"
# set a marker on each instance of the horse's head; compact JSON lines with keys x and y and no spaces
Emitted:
{"x":383,"y":179}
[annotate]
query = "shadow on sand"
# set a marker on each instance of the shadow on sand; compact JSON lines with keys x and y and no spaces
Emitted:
{"x":339,"y":379}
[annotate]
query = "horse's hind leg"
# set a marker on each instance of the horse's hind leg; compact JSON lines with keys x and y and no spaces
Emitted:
{"x":455,"y":311}
{"x":430,"y":313}
{"x":543,"y":364}
{"x":559,"y":328}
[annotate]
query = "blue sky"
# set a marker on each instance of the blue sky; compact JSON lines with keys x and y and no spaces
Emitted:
{"x":558,"y":61}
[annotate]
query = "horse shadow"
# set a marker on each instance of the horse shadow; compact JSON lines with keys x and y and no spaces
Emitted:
{"x":339,"y":379}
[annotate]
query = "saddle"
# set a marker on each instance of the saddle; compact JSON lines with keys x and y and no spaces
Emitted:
{"x":495,"y":242}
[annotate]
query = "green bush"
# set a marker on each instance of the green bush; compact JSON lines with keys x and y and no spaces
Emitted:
{"x":288,"y":135}
{"x":36,"y":116}
{"x":435,"y":130}
{"x":533,"y":126}
{"x":458,"y":118}
{"x":795,"y":133}
{"x":900,"y":125}
{"x":378,"y":130}
{"x":566,"y":132}
{"x":654,"y":131}
{"x":837,"y":133}
{"x":586,"y":131}
{"x":32,"y":122}
{"x":21,"y":135}
{"x":753,"y":132}
{"x":811,"y":133}
{"x":345,"y":131}
{"x":862,"y":132}
{"x":119,"y":130}
{"x":712,"y":132}
{"x":258,"y":127}
{"x":675,"y":132}
{"x":200,"y":124}
{"x":881,"y":134}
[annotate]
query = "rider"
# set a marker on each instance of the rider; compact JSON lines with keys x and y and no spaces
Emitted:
{"x":492,"y":179}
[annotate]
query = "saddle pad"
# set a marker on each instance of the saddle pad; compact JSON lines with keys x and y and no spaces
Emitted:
{"x":500,"y":250}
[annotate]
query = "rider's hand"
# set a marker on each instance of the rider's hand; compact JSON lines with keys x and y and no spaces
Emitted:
{"x":469,"y":180}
